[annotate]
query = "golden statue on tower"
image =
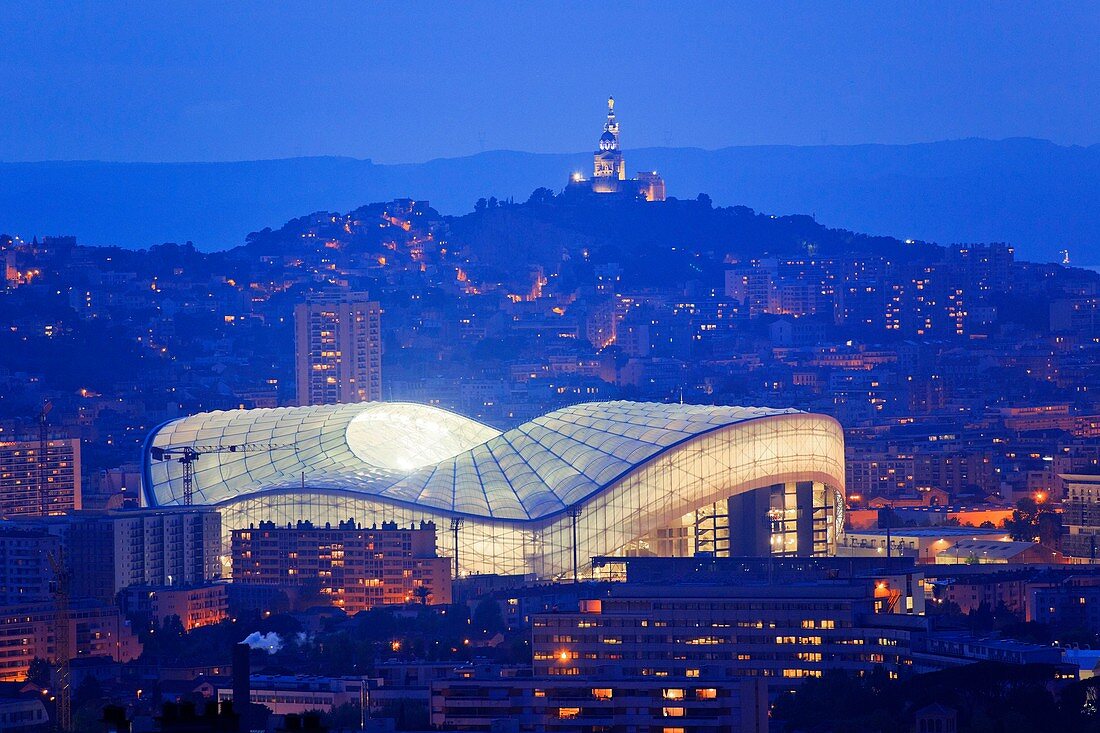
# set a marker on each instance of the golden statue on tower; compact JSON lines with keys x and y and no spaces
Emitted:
{"x":609,"y":167}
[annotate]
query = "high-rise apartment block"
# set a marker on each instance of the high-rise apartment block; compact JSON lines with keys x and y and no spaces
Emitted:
{"x":338,"y":349}
{"x":162,"y":547}
{"x":25,"y":571}
{"x":356,"y":568}
{"x":37,"y":478}
{"x":106,"y":552}
{"x":1081,"y":515}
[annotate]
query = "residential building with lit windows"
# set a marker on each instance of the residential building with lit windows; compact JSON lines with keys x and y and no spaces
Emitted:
{"x":593,"y":479}
{"x":355,"y":568}
{"x":27,"y":631}
{"x":194,"y":606}
{"x":107,"y":551}
{"x":25,"y":572}
{"x":338,"y":349}
{"x":1081,"y":515}
{"x":25,"y":468}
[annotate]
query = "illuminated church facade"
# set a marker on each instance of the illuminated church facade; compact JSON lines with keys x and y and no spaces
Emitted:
{"x":609,"y":168}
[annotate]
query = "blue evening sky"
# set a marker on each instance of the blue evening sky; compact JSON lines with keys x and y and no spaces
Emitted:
{"x":410,"y":81}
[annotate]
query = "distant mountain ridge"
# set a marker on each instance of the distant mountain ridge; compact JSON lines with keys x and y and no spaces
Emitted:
{"x":1036,"y":195}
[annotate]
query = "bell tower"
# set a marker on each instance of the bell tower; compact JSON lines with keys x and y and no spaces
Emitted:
{"x":608,"y":160}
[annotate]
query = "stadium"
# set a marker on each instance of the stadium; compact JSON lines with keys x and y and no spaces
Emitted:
{"x":594,"y":479}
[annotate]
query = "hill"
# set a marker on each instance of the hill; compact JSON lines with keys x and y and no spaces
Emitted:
{"x":1034,"y":194}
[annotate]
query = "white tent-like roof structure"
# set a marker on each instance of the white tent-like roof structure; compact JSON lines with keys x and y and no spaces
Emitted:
{"x":423,"y":455}
{"x":624,"y":468}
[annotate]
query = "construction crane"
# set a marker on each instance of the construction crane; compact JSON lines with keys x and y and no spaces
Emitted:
{"x":43,"y":450}
{"x":62,"y":641}
{"x":188,"y":455}
{"x":456,"y":525}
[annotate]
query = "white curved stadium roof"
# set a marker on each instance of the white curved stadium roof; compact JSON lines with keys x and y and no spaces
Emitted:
{"x":424,"y":456}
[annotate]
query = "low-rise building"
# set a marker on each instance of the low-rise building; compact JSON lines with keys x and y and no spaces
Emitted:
{"x":781,"y":620}
{"x":285,"y":694}
{"x":23,"y":713}
{"x":483,"y":700}
{"x":1072,"y":603}
{"x":194,"y":606}
{"x":95,"y":629}
{"x":920,"y":543}
{"x":996,"y":552}
{"x":972,"y":592}
{"x":941,"y":651}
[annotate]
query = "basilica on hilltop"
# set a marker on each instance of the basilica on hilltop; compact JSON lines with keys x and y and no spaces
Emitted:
{"x":609,"y":168}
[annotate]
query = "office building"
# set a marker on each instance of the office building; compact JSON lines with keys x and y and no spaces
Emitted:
{"x":692,"y":621}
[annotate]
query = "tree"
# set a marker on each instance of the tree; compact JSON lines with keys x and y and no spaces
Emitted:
{"x":1023,"y":526}
{"x":541,"y":195}
{"x":422,"y":592}
{"x":343,"y":717}
{"x":39,"y":672}
{"x":487,"y":617}
{"x":90,"y":692}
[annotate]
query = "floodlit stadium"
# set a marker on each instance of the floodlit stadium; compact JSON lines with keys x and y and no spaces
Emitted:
{"x":595,"y":479}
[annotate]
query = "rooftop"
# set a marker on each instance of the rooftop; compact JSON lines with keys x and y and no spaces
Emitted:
{"x":420,"y":455}
{"x":929,"y":532}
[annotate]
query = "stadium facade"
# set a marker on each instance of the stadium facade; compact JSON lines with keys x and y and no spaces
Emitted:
{"x":594,"y":479}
